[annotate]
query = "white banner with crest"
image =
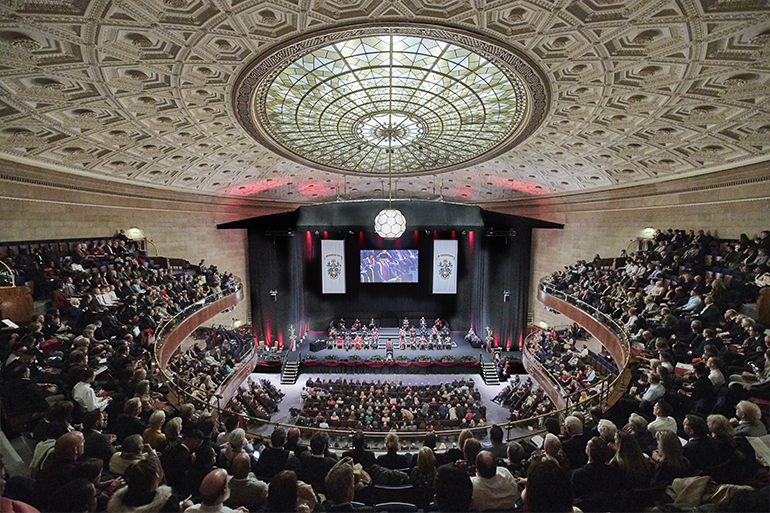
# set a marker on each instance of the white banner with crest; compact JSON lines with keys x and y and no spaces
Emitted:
{"x":333,"y":266}
{"x":445,"y":267}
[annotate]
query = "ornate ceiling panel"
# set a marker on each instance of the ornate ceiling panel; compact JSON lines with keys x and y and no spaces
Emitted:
{"x":142,"y":90}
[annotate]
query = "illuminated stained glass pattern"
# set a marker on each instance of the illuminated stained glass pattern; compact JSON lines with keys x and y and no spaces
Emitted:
{"x":434,"y":103}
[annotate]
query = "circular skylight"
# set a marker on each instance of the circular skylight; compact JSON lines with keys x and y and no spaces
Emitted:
{"x":407,"y":98}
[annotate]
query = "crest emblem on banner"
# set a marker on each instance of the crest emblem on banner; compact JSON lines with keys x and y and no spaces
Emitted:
{"x":333,"y":268}
{"x":445,"y":269}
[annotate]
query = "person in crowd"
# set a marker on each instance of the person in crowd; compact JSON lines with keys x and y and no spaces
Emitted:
{"x":392,"y":459}
{"x":596,"y":477}
{"x":178,"y":457}
{"x":669,"y":460}
{"x":97,"y":444}
{"x":214,"y":492}
{"x":548,"y":488}
{"x":748,"y":420}
{"x":314,"y":464}
{"x":494,"y":488}
{"x":132,"y":450}
{"x":56,"y":474}
{"x":701,"y":449}
{"x":423,"y":476}
{"x":282,"y":493}
{"x":359,"y":453}
{"x":454,"y":489}
{"x":275,"y":457}
{"x":245,"y":489}
{"x":631,"y":461}
{"x":153,"y":435}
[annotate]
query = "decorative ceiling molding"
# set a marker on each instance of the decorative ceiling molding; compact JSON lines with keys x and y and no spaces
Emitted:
{"x":141,"y":92}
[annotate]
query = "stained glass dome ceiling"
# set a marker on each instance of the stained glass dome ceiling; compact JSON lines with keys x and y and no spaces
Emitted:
{"x":425,"y":100}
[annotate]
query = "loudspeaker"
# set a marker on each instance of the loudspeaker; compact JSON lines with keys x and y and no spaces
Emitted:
{"x":318,"y":345}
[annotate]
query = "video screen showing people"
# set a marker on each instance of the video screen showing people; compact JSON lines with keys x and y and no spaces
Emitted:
{"x":389,"y":265}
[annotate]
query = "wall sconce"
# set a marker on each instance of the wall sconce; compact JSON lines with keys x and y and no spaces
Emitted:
{"x":506,"y":296}
{"x":274,"y":293}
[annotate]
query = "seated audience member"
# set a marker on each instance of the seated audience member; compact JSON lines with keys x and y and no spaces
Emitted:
{"x":78,"y":495}
{"x":423,"y":476}
{"x":340,"y":486}
{"x":471,"y":449}
{"x":701,"y":450}
{"x":359,"y":453}
{"x":245,"y":489}
{"x":153,"y":435}
{"x":213,"y":492}
{"x":574,"y":442}
{"x":128,"y":423}
{"x":637,"y":426}
{"x":630,"y":460}
{"x":97,"y":444}
{"x":10,"y":505}
{"x":596,"y":477}
{"x":205,"y":459}
{"x":748,"y":420}
{"x":57,"y":473}
{"x":496,"y":444}
{"x":178,"y":457}
{"x":282,"y":493}
{"x":275,"y":458}
{"x":454,"y":489}
{"x":293,"y":442}
{"x":669,"y":460}
{"x":314,"y":464}
{"x":743,"y":464}
{"x":663,"y":419}
{"x":494,"y":488}
{"x":548,"y":488}
{"x":132,"y":450}
{"x":392,"y":459}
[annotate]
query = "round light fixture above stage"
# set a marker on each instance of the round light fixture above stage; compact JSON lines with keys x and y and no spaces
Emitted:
{"x":425,"y":98}
{"x":390,"y":223}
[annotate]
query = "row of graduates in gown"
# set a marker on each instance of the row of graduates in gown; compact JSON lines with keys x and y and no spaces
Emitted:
{"x":433,"y":340}
{"x":423,"y":324}
{"x":362,"y":340}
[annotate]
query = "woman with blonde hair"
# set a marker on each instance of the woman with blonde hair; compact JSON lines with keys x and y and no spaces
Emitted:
{"x":423,"y":477}
{"x":392,"y":459}
{"x":669,"y":460}
{"x":153,"y":435}
{"x":173,"y":430}
{"x":149,"y":402}
{"x":737,"y":451}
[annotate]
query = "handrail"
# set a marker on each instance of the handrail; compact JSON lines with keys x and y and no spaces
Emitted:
{"x":615,"y":329}
{"x":161,"y":359}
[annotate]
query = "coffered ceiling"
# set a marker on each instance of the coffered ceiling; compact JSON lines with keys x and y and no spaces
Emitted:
{"x":146,"y":91}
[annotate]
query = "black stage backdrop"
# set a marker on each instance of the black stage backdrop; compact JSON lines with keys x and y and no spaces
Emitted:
{"x":493,"y":258}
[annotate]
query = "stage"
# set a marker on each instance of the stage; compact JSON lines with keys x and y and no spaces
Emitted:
{"x":461,"y":359}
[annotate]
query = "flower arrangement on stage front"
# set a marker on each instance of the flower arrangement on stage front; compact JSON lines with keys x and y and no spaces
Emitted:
{"x":272,"y":357}
{"x":511,"y":358}
{"x":447,"y":358}
{"x":423,"y":358}
{"x":310,"y":358}
{"x":468,"y":358}
{"x":331,"y":358}
{"x":377,"y":358}
{"x":401,"y":358}
{"x":354,"y":358}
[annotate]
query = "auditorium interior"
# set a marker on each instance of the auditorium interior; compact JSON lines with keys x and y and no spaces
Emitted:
{"x":220,"y":226}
